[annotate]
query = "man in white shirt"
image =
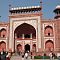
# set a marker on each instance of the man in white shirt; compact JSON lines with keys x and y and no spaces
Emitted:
{"x":26,"y":55}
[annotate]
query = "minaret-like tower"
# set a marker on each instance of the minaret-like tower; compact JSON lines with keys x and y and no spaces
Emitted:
{"x":57,"y":12}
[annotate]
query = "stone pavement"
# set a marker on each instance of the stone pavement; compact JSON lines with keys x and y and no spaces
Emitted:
{"x":29,"y":58}
{"x":19,"y":58}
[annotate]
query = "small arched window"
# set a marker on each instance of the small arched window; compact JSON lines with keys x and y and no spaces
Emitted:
{"x":48,"y":31}
{"x":3,"y":32}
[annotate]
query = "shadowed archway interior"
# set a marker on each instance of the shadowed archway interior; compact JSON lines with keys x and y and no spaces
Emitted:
{"x":25,"y":29}
{"x":28,"y":31}
{"x":27,"y":47}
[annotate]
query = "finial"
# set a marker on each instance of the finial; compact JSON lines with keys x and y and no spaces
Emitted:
{"x":9,"y":6}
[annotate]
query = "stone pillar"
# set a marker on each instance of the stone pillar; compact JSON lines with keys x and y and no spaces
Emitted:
{"x":23,"y":46}
{"x":31,"y":36}
{"x":15,"y":35}
{"x":22,"y":36}
{"x":11,"y":41}
{"x":31,"y":46}
{"x":39,"y":33}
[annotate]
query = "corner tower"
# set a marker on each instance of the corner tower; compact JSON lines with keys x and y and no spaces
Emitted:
{"x":57,"y":12}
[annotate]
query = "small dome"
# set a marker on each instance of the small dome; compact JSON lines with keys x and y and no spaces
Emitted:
{"x":58,"y":6}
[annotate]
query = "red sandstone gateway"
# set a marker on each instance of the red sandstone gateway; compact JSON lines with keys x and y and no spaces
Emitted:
{"x":27,"y":28}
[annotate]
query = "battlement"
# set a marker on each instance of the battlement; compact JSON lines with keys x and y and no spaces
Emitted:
{"x":29,"y":9}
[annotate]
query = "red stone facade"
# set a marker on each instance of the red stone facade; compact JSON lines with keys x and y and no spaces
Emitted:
{"x":50,"y":33}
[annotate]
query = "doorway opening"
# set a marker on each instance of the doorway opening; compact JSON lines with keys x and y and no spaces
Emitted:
{"x":27,"y":47}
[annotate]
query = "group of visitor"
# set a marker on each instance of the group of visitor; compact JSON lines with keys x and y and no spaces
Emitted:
{"x":52,"y":55}
{"x":4,"y":55}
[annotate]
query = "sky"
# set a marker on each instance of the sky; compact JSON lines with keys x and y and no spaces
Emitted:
{"x":47,"y":7}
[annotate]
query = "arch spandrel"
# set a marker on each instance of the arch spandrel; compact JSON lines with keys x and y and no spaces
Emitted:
{"x":17,"y":23}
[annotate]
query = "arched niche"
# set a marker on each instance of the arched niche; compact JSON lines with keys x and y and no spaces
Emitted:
{"x":3,"y":32}
{"x":3,"y":46}
{"x":49,"y":45}
{"x":19,"y":47}
{"x":34,"y":47}
{"x":27,"y":47}
{"x":48,"y":31}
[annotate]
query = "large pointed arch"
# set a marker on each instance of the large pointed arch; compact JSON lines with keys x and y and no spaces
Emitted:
{"x":25,"y":29}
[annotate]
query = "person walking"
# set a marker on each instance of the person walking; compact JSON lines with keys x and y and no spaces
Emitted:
{"x":26,"y":55}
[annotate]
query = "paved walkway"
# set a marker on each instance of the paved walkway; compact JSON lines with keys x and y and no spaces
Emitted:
{"x":20,"y":58}
{"x":29,"y":58}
